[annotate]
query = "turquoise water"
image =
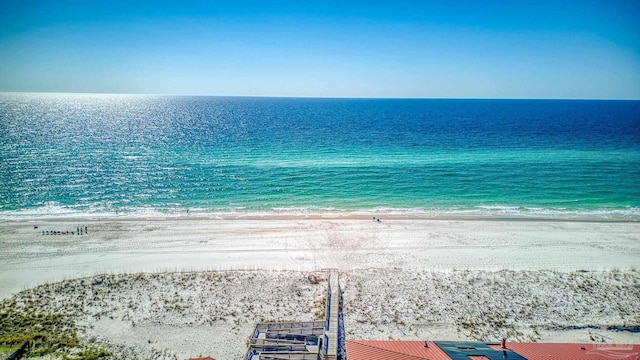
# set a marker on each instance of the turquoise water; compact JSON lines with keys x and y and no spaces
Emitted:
{"x":64,"y":155}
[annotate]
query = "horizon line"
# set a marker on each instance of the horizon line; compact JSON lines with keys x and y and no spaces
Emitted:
{"x":318,"y":97}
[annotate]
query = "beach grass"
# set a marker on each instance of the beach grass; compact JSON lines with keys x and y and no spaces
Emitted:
{"x":47,"y":333}
{"x":173,"y":315}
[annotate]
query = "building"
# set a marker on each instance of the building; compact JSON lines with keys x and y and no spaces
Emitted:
{"x":469,"y":350}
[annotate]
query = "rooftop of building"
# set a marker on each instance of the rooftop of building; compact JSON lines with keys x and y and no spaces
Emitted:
{"x":466,"y":350}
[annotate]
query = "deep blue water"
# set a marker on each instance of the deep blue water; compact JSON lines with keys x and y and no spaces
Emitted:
{"x":98,"y":154}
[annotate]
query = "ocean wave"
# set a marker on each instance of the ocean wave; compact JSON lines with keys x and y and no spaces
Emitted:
{"x":58,"y":211}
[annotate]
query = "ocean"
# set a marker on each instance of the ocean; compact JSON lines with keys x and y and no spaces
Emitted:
{"x":106,"y":155}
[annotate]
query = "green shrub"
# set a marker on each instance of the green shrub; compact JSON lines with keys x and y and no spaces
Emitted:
{"x":47,"y":333}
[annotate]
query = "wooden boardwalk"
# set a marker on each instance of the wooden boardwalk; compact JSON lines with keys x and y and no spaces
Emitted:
{"x":316,"y":340}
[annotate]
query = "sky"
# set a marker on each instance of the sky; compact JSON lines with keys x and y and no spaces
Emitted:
{"x":399,"y":49}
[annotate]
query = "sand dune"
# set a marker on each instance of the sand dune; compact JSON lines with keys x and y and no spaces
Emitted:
{"x":186,"y":314}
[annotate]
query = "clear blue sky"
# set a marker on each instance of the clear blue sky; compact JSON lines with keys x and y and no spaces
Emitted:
{"x":478,"y":49}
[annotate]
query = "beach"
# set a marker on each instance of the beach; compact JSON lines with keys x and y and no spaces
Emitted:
{"x":120,"y":245}
{"x":212,"y":278}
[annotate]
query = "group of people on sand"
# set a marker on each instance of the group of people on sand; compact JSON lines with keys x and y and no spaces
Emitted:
{"x":79,"y":231}
{"x":375,"y":219}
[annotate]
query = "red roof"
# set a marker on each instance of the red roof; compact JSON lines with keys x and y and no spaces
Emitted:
{"x":564,"y":351}
{"x":393,"y":350}
{"x":415,"y":350}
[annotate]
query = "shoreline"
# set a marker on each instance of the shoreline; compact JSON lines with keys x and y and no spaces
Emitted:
{"x":443,"y":216}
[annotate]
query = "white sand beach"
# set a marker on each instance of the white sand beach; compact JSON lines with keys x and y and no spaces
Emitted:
{"x":403,"y":278}
{"x":120,"y":245}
